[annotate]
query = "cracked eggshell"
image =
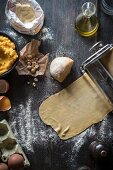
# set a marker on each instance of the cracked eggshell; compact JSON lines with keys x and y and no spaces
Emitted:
{"x":5,"y":103}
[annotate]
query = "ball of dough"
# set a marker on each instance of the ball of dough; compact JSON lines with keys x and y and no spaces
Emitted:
{"x":60,"y":67}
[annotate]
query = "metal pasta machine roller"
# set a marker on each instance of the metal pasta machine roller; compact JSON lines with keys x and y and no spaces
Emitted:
{"x":99,"y":67}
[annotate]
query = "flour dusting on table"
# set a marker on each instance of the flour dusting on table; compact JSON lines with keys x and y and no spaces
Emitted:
{"x":77,"y":143}
{"x":32,"y":133}
{"x":47,"y":34}
{"x":27,"y":128}
{"x":105,"y":128}
{"x":62,"y":51}
{"x":21,"y":124}
{"x":79,"y":140}
{"x":20,"y":40}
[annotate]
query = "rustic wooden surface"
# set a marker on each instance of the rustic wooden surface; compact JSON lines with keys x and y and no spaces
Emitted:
{"x":48,"y":152}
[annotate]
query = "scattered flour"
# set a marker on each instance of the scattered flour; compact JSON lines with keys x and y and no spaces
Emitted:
{"x":21,"y":125}
{"x":28,"y":129}
{"x":21,"y":41}
{"x":61,"y":51}
{"x":32,"y":133}
{"x":102,"y":131}
{"x":47,"y":34}
{"x":80,"y":139}
{"x":6,"y":21}
{"x":77,"y":143}
{"x":13,"y":34}
{"x":105,"y":128}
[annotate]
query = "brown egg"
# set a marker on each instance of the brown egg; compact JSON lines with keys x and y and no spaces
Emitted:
{"x":3,"y":166}
{"x":4,"y":86}
{"x":16,"y":161}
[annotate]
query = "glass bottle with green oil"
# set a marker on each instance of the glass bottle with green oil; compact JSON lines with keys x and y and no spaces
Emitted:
{"x":86,"y":22}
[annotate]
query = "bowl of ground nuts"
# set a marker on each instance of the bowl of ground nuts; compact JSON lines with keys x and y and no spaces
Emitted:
{"x":9,"y":54}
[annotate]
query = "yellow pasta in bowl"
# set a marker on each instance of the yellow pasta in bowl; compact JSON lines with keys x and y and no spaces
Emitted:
{"x":9,"y":54}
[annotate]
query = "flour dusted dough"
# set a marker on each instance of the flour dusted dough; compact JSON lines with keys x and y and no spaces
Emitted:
{"x":25,"y":12}
{"x":60,"y":67}
{"x":75,"y":108}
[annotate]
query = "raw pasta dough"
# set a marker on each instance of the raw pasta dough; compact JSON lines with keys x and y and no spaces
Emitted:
{"x":75,"y":108}
{"x":60,"y":67}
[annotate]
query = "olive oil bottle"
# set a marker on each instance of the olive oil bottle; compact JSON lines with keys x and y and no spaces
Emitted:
{"x":86,"y":23}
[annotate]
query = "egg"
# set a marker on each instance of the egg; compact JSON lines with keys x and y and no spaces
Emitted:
{"x":3,"y":166}
{"x":5,"y":103}
{"x":4,"y":86}
{"x":16,"y":161}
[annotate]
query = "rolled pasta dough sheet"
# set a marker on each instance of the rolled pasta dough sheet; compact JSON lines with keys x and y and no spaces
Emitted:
{"x":75,"y":108}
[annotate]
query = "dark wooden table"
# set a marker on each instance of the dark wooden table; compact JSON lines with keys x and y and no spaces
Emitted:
{"x":41,"y":144}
